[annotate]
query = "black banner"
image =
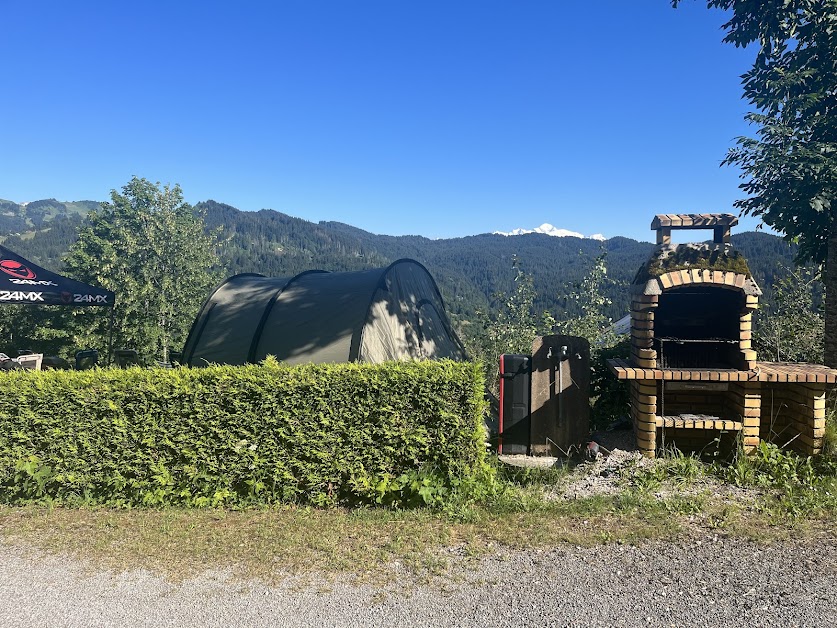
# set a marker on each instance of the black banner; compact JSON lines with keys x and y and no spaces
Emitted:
{"x":22,"y":282}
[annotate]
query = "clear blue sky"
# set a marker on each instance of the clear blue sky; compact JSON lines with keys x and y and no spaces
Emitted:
{"x":434,"y":117}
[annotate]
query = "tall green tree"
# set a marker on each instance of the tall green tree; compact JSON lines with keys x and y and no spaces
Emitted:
{"x":791,"y":328}
{"x":150,"y":247}
{"x":591,"y":300}
{"x":512,"y":329}
{"x":609,"y":397}
{"x":790,"y":167}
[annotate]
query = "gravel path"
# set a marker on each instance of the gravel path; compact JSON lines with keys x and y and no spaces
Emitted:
{"x":714,"y":582}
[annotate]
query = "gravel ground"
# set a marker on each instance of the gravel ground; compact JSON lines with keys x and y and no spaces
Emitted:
{"x":708,"y":582}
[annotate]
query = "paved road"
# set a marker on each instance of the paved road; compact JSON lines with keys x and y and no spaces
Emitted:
{"x":714,"y":582}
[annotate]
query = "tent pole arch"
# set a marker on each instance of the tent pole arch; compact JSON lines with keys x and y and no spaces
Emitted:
{"x":257,"y":335}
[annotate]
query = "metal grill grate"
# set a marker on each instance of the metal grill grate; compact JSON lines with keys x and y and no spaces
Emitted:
{"x":691,"y":353}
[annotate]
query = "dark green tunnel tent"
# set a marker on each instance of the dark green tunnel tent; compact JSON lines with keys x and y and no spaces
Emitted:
{"x":392,"y":313}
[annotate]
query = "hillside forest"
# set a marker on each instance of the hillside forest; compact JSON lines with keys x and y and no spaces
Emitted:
{"x":479,"y":276}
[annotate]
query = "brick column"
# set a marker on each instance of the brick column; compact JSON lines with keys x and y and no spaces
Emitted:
{"x":815,"y":418}
{"x":747,"y":403}
{"x":746,"y":325}
{"x":644,"y":414}
{"x":643,"y":354}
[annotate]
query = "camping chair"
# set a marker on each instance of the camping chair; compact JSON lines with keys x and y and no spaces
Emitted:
{"x":86,"y":359}
{"x":31,"y":361}
{"x":127,"y":357}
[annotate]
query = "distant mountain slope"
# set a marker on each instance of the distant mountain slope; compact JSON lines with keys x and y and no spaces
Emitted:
{"x":272,"y":243}
{"x":469,"y":270}
{"x":25,"y":217}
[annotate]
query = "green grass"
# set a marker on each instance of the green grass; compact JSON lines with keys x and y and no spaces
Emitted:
{"x":764,"y":497}
{"x":272,"y":542}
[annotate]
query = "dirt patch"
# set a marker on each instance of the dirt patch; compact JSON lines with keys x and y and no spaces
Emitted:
{"x":625,"y":470}
{"x":607,"y":475}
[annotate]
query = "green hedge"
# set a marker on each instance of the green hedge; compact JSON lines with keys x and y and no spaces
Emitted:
{"x":398,"y":433}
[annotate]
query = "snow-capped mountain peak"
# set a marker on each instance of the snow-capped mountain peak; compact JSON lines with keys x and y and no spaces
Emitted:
{"x":548,"y":229}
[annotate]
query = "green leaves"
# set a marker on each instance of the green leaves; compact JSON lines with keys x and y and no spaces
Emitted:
{"x":791,"y":329}
{"x":151,"y":248}
{"x":398,"y":434}
{"x":513,"y":329}
{"x":790,"y":168}
{"x":590,"y":295}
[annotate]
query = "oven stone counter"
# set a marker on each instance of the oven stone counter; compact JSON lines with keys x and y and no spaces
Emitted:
{"x":775,"y":401}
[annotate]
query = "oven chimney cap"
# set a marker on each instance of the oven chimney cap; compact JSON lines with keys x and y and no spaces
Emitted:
{"x":720,"y":223}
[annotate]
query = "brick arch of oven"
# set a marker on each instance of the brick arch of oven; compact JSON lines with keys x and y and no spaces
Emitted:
{"x":694,"y":319}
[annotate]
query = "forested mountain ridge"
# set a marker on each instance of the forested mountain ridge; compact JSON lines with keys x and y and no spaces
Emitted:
{"x":24,"y":218}
{"x":470,"y":270}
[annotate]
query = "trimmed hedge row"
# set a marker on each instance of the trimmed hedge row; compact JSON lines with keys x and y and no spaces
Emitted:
{"x":399,"y":433}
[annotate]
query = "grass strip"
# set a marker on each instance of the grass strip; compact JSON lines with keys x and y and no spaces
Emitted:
{"x":271,"y":543}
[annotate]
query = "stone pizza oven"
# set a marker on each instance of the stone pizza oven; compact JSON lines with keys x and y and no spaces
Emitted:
{"x":693,"y":373}
{"x":692,"y":304}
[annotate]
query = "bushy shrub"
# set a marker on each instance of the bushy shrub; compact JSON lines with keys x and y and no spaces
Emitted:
{"x":791,"y":329}
{"x":343,"y":434}
{"x":610,"y":397}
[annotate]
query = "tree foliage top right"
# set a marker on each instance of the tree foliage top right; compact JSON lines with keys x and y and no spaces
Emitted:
{"x":790,"y":168}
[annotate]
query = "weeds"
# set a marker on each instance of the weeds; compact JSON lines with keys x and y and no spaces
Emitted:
{"x":794,"y":486}
{"x":532,"y":476}
{"x":515,"y":507}
{"x":672,"y":467}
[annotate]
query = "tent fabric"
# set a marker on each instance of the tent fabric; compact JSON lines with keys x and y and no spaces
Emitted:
{"x":391,"y":313}
{"x":22,"y":282}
